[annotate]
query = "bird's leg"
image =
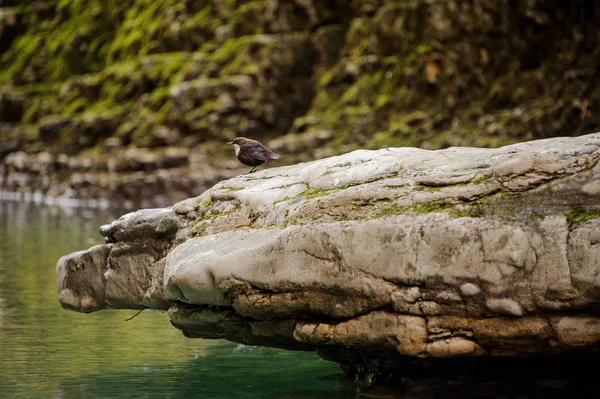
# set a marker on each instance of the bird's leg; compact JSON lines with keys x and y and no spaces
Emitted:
{"x":252,"y":170}
{"x":264,"y":163}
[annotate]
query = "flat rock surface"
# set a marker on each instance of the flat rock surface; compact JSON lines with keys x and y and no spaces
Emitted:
{"x":372,"y":255}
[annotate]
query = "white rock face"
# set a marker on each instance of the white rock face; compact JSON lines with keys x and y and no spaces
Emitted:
{"x":458,"y":252}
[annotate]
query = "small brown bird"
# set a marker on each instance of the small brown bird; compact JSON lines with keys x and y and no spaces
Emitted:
{"x":251,"y":152}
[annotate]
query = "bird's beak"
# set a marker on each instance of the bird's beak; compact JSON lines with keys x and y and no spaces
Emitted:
{"x":231,"y":142}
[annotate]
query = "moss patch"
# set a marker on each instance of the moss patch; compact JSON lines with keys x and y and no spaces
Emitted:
{"x":231,"y":188}
{"x":290,"y":221}
{"x":316,"y":192}
{"x":203,"y":204}
{"x":286,"y":198}
{"x":577,"y":217}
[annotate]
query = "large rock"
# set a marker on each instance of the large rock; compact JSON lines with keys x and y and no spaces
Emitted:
{"x":373,"y":257}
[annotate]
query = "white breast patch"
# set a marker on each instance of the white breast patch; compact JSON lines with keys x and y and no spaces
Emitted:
{"x":237,"y":149}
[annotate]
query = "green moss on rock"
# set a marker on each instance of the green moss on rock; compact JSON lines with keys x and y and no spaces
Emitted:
{"x":577,"y":217}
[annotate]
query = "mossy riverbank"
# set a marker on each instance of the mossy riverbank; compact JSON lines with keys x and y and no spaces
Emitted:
{"x":84,"y":79}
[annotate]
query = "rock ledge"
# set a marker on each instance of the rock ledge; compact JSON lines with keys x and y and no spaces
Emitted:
{"x":373,"y":258}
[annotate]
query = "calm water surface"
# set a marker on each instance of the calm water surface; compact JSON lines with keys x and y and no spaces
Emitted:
{"x":48,"y":352}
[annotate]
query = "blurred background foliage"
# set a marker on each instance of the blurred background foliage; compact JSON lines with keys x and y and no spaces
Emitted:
{"x":161,"y":85}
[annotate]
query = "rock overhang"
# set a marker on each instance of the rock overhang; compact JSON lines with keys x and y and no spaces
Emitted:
{"x":458,"y":252}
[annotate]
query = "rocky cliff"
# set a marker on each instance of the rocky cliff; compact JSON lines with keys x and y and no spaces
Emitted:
{"x":373,"y":258}
{"x":132,"y":101}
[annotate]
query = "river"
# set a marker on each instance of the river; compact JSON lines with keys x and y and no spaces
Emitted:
{"x":49,"y":352}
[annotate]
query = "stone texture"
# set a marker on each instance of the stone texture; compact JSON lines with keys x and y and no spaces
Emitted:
{"x":372,"y":257}
{"x":79,"y":279}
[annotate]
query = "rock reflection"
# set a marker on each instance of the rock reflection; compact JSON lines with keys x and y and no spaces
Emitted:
{"x":222,"y":371}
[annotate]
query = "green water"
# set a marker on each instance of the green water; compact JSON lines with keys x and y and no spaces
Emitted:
{"x":49,"y":352}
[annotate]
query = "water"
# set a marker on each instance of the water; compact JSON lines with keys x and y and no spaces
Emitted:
{"x":49,"y":352}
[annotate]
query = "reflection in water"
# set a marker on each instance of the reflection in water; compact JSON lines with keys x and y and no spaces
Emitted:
{"x":220,"y":372}
{"x":46,"y":351}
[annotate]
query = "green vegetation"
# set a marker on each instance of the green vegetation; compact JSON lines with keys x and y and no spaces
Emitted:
{"x":456,"y":213}
{"x":206,"y":215}
{"x":290,"y":221}
{"x":316,"y":192}
{"x":286,"y":198}
{"x":391,"y":211}
{"x":199,"y":229}
{"x":74,"y":74}
{"x":342,"y":165}
{"x":577,"y":217}
{"x":421,"y":209}
{"x":480,"y":179}
{"x":210,"y":215}
{"x":203,"y":204}
{"x":232,"y":188}
{"x":536,"y":215}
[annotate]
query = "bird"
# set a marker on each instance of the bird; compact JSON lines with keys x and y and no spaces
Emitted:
{"x":251,"y":152}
